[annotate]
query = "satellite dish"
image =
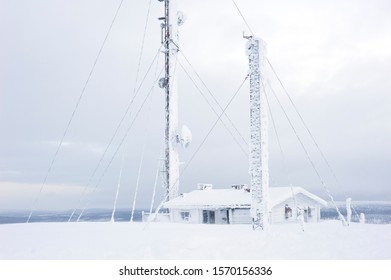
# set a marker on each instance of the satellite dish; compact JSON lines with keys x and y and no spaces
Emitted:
{"x":186,"y":136}
{"x":162,"y":82}
{"x":181,"y":18}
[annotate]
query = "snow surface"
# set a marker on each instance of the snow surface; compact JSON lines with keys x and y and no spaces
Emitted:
{"x":327,"y":240}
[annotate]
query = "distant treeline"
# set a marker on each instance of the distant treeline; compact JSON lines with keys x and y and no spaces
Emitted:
{"x":93,"y":215}
{"x":375,"y":213}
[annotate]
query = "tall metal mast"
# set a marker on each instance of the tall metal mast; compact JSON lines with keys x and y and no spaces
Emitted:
{"x":170,"y":42}
{"x":259,"y":155}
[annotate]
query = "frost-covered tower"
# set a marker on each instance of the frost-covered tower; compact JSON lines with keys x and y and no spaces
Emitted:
{"x":259,"y":157}
{"x":169,"y":26}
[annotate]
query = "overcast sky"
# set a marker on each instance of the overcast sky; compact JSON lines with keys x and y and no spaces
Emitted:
{"x":334,"y":58}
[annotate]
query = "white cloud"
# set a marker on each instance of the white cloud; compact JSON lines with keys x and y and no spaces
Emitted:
{"x":334,"y":57}
{"x":22,"y":196}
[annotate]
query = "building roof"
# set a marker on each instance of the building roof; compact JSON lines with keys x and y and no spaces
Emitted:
{"x":280,"y":194}
{"x":234,"y":198}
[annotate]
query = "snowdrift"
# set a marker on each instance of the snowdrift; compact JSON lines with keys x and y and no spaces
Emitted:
{"x":327,"y":240}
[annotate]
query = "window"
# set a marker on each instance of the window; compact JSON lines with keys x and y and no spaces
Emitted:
{"x":288,"y":212}
{"x":185,"y":216}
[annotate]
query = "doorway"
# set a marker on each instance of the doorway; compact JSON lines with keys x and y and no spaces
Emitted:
{"x":208,"y":217}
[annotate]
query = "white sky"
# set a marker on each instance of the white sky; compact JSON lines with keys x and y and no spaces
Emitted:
{"x":334,"y":58}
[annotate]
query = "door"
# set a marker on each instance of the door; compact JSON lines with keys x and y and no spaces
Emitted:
{"x":208,"y":217}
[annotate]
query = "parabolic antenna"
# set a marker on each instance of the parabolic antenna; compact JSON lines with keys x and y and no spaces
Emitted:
{"x":162,"y":82}
{"x":186,"y":136}
{"x":181,"y":18}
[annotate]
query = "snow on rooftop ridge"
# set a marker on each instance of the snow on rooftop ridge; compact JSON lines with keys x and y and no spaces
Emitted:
{"x":202,"y":186}
{"x":241,"y":187}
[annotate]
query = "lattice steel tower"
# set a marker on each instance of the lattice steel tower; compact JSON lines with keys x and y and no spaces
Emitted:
{"x":259,"y":156}
{"x":169,"y":25}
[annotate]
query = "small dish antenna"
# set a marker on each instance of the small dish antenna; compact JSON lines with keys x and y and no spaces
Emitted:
{"x":181,"y":18}
{"x":186,"y":136}
{"x":162,"y":82}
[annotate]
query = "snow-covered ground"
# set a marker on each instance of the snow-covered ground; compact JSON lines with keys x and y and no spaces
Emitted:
{"x":327,"y":240}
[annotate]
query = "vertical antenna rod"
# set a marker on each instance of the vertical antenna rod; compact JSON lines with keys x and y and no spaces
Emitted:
{"x":170,"y":42}
{"x":259,"y":156}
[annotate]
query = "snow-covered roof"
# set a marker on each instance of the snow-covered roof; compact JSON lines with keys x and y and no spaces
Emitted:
{"x":210,"y":198}
{"x":234,"y":198}
{"x":280,"y":194}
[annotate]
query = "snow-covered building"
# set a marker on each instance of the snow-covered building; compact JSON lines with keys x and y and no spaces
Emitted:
{"x":232,"y":206}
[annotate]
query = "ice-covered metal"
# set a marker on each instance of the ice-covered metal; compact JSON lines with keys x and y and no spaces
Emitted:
{"x":258,"y":161}
{"x":170,"y":43}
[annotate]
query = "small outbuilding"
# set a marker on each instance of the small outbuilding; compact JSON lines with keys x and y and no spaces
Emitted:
{"x":232,"y":206}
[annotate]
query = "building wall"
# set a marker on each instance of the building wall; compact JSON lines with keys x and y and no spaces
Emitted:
{"x":278,"y":211}
{"x":241,"y":216}
{"x":221,"y":216}
{"x":190,"y":216}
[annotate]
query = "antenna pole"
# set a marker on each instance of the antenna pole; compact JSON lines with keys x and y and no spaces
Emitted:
{"x":170,"y":43}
